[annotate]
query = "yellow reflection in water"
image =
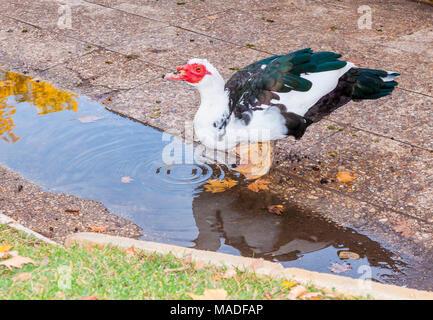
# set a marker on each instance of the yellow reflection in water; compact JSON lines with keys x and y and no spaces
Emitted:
{"x":40,"y":94}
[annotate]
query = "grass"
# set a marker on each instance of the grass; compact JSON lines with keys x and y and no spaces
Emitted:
{"x":111,"y":273}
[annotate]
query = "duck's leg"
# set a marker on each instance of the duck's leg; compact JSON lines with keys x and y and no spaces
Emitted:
{"x":255,"y":159}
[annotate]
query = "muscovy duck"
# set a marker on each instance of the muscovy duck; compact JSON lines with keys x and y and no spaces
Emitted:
{"x":275,"y":97}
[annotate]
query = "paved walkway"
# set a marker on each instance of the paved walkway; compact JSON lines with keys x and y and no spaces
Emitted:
{"x":115,"y":51}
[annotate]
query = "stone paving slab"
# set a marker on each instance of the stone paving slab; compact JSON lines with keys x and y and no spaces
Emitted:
{"x":404,"y":116}
{"x":172,"y":12}
{"x":389,"y":173}
{"x":89,"y":22}
{"x":26,"y":48}
{"x":101,"y":72}
{"x":172,"y":101}
{"x":178,"y":12}
{"x":171,"y":47}
{"x":342,"y":17}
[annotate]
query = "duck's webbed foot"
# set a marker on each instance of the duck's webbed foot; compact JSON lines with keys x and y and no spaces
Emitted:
{"x":255,"y":159}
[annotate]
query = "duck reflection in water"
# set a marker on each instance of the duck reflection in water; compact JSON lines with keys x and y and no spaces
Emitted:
{"x":240,"y":218}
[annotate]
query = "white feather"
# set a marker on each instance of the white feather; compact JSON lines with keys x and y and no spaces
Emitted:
{"x":323,"y":83}
{"x":390,"y":77}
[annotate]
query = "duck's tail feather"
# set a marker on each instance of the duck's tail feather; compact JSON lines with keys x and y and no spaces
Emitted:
{"x":373,"y":84}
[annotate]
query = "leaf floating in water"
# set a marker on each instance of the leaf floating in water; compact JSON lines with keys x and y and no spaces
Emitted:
{"x":338,"y":268}
{"x":345,"y":176}
{"x":126,"y":180}
{"x":89,"y":119}
{"x":260,"y":184}
{"x":215,"y":185}
{"x":348,"y":255}
{"x":277,"y":209}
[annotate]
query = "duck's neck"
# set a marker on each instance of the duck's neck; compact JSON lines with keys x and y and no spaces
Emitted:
{"x":214,"y":105}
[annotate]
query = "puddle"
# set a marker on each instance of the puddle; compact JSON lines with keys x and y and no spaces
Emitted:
{"x":68,"y":144}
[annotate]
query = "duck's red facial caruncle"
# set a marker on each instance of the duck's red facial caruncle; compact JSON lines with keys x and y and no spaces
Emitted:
{"x":193,"y":73}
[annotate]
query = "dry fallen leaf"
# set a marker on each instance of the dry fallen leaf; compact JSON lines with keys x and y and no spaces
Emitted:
{"x":215,"y":185}
{"x":89,"y":298}
{"x":288,"y":284}
{"x":74,"y":212}
{"x":16,"y":261}
{"x":403,"y":228}
{"x":296,"y":292}
{"x":345,"y":176}
{"x":199,"y":264}
{"x":188,"y":258}
{"x":277,"y":209}
{"x":210,"y":294}
{"x":106,"y":100}
{"x":260,"y":184}
{"x":156,"y":113}
{"x":4,"y":255}
{"x":44,"y":261}
{"x":338,"y":268}
{"x":97,"y":228}
{"x":348,"y":255}
{"x":311,"y":296}
{"x":130,"y":251}
{"x":5,"y":247}
{"x":230,"y":273}
{"x":89,"y":119}
{"x":267,"y":295}
{"x":23,"y":276}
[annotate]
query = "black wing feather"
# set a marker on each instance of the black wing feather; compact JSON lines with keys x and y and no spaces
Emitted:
{"x":255,"y":85}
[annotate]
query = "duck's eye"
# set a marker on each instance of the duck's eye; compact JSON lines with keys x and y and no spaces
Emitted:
{"x":198,"y":69}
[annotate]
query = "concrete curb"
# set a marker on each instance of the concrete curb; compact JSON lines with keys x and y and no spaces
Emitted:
{"x":12,"y":223}
{"x":344,"y":285}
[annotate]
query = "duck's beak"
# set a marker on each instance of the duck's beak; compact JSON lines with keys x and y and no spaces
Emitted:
{"x":177,"y":75}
